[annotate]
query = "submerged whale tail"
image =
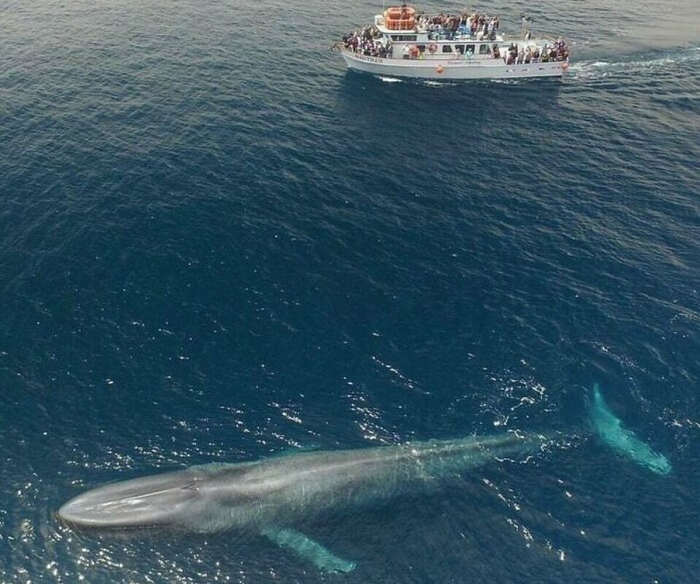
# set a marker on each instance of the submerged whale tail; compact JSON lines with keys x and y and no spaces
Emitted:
{"x":609,"y":429}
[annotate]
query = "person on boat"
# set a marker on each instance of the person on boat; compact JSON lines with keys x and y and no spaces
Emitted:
{"x":388,"y":48}
{"x":562,"y":50}
{"x":512,"y":54}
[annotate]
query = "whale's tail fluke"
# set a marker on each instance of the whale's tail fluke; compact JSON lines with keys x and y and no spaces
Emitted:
{"x":610,"y":430}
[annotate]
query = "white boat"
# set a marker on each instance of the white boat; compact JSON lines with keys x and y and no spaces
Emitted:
{"x":404,"y":43}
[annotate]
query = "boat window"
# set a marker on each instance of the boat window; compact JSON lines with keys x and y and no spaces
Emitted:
{"x":460,"y":49}
{"x":404,"y":37}
{"x":446,"y":48}
{"x":470,"y":49}
{"x":484,"y":50}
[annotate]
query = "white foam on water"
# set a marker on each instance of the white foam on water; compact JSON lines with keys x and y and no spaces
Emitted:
{"x":667,"y":61}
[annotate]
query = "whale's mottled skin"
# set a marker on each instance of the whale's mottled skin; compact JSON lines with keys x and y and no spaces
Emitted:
{"x":277,"y":490}
{"x":269,"y":496}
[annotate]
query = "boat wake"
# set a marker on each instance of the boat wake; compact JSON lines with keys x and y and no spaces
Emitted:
{"x":423,"y":82}
{"x":433,"y":83}
{"x":666,"y":62}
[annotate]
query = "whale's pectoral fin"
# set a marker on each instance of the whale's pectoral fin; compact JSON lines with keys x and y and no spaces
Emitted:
{"x":623,"y":441}
{"x":310,"y":550}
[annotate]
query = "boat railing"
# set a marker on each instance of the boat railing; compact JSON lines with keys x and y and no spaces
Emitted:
{"x":462,"y":33}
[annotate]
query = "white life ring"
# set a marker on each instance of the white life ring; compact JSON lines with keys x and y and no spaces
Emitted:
{"x":432,"y":48}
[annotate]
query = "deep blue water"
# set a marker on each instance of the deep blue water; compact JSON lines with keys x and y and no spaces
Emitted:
{"x":217,"y":245}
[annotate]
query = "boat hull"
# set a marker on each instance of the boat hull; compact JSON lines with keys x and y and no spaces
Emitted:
{"x":451,"y":69}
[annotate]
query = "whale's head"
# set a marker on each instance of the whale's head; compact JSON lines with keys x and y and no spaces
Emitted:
{"x":144,"y":502}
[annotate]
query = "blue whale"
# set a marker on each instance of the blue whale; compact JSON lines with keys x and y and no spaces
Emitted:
{"x":269,"y":496}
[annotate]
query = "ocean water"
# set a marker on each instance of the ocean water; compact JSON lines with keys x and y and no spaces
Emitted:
{"x":216,"y":245}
